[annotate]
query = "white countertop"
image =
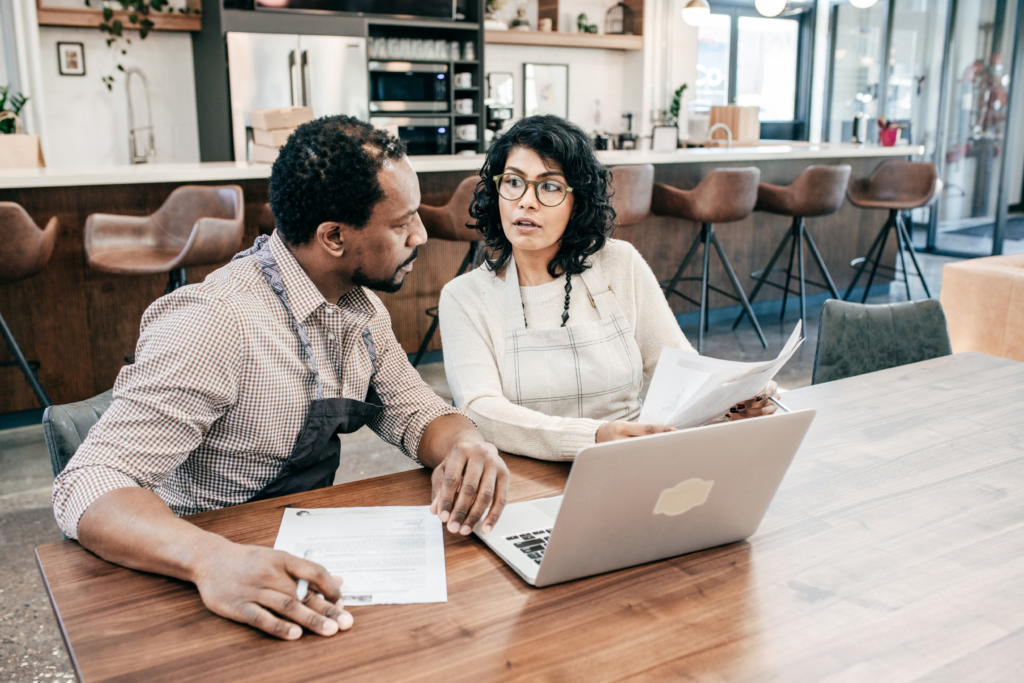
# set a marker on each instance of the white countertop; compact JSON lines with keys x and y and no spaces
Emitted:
{"x":228,"y":170}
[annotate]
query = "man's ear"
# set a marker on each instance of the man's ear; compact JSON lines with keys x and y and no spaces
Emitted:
{"x":331,"y":236}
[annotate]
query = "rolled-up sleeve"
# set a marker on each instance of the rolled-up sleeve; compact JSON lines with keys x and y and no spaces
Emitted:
{"x":163,"y":404}
{"x":409,"y":403}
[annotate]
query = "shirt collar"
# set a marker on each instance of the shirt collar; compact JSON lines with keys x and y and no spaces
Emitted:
{"x":303,"y":296}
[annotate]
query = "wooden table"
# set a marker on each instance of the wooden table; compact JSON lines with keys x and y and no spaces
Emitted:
{"x":893,"y":551}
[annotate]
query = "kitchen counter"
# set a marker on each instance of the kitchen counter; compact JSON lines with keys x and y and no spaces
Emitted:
{"x":233,"y":171}
{"x":79,"y":323}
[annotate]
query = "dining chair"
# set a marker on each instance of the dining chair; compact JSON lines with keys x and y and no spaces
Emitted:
{"x":855,"y":339}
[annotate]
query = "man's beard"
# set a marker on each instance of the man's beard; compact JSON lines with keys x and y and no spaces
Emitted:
{"x":389,"y":286}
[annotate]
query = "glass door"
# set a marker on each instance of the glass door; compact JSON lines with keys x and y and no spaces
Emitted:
{"x":857,"y":45}
{"x":971,"y":152}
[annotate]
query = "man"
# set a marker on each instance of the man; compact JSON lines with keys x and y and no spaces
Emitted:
{"x":240,"y":384}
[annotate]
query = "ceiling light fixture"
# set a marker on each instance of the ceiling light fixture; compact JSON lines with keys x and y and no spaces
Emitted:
{"x":770,"y":8}
{"x":696,"y":11}
{"x":862,"y":4}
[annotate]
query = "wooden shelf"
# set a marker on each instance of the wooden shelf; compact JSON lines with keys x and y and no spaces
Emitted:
{"x":578,"y":40}
{"x":92,"y":18}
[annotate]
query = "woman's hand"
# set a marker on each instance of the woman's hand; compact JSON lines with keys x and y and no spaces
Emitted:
{"x":620,"y":429}
{"x":757,"y":406}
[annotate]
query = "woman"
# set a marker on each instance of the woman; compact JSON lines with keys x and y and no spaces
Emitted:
{"x":547,"y":344}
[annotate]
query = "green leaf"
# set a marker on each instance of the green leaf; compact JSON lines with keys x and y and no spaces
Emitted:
{"x":133,"y":18}
{"x":117,"y":27}
{"x":143,"y":33}
{"x":120,"y":67}
{"x":107,"y":13}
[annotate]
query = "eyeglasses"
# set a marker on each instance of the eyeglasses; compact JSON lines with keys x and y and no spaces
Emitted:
{"x":549,"y":192}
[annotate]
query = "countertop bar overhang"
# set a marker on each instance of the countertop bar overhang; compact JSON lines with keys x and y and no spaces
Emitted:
{"x":229,"y":170}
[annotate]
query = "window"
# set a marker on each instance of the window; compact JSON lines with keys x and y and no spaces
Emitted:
{"x":766,"y":59}
{"x":747,"y":59}
{"x":714,"y":37}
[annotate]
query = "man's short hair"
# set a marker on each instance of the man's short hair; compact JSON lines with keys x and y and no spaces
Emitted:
{"x":327,"y":172}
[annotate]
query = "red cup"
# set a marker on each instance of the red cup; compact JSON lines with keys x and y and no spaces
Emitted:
{"x":889,"y":137}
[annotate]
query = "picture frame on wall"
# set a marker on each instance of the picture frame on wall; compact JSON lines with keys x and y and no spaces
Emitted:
{"x":71,"y":59}
{"x":546,"y":89}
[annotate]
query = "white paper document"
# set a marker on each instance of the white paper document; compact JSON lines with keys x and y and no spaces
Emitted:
{"x":384,"y":555}
{"x":688,"y":390}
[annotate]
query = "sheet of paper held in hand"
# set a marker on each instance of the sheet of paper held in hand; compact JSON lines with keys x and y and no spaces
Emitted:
{"x":384,"y":555}
{"x":688,"y":390}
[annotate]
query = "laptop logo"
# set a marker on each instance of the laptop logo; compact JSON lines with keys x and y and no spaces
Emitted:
{"x":682,"y":497}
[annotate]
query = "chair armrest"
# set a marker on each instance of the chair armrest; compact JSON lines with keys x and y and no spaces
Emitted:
{"x":107,"y":232}
{"x":213,"y":240}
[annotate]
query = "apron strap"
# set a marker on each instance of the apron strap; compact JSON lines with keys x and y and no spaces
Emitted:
{"x":515,"y":318}
{"x":265,"y":260}
{"x":601,"y":293}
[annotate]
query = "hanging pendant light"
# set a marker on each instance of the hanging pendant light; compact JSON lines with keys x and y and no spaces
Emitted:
{"x":770,"y":8}
{"x":696,"y":11}
{"x":862,"y":4}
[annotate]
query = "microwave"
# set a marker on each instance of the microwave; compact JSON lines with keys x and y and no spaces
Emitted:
{"x":408,"y":86}
{"x":421,"y":135}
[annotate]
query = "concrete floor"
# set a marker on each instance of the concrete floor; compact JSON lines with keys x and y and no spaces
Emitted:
{"x":31,"y":646}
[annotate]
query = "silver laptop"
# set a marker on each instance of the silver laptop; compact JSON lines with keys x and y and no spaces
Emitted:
{"x":644,"y":499}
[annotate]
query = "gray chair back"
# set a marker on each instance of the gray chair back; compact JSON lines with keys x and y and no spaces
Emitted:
{"x":854,"y":339}
{"x":66,"y":426}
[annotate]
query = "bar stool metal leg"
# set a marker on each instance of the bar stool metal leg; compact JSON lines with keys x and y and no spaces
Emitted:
{"x":867,"y":259}
{"x":736,"y":285}
{"x":704,"y":288}
{"x":878,"y":260}
{"x":913,"y":256}
{"x":26,"y":369}
{"x":470,"y":259}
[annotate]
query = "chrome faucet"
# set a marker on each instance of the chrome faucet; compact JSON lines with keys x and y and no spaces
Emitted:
{"x":728,"y":133}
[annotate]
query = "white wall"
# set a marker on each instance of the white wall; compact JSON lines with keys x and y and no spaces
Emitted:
{"x":88,"y":125}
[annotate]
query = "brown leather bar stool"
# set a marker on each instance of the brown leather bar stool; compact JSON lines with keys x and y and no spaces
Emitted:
{"x":818,"y":191}
{"x":723,"y":196}
{"x":267,"y":222}
{"x":448,"y":223}
{"x":26,"y":250}
{"x":631,"y":193}
{"x":898,"y":186}
{"x":196,"y":226}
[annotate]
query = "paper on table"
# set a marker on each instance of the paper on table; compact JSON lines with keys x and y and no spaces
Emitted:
{"x":688,"y":390}
{"x":384,"y":555}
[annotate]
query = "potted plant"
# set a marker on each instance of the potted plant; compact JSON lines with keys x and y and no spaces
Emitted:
{"x":16,"y":150}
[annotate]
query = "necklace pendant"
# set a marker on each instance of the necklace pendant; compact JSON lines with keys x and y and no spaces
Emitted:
{"x":565,"y":317}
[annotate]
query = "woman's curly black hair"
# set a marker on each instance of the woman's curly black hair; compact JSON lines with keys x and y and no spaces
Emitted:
{"x":593,"y":218}
{"x":327,"y":171}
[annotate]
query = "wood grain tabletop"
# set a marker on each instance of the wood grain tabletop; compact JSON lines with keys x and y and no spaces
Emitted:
{"x":893,"y":551}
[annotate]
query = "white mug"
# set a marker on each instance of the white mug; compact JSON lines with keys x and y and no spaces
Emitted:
{"x":464,"y":107}
{"x":466,"y":131}
{"x":464,"y":80}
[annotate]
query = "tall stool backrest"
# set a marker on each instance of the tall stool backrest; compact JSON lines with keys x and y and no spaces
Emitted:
{"x":631,"y":189}
{"x":26,"y":248}
{"x":449,"y":222}
{"x":896,"y":184}
{"x":817,"y":191}
{"x":724,"y":195}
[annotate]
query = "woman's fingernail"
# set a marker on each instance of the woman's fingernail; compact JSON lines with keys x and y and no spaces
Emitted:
{"x":740,"y":406}
{"x":759,"y":398}
{"x":733,"y":410}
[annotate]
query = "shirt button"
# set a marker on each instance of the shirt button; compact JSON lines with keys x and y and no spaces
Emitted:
{"x":330,"y":336}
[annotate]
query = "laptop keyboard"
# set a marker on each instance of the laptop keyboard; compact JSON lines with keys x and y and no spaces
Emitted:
{"x":532,"y":543}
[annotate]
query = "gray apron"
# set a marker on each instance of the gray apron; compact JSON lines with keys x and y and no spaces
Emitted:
{"x":316,"y":454}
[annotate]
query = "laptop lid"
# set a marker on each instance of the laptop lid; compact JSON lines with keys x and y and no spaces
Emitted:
{"x":639,"y":500}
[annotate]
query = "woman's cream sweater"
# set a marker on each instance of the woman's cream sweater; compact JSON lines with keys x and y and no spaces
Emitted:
{"x":472,"y":313}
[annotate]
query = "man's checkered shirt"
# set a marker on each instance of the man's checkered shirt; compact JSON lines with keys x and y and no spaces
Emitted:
{"x":219,"y":391}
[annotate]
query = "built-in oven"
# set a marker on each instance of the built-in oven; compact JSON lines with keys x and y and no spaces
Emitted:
{"x":408,"y":86}
{"x":421,"y":135}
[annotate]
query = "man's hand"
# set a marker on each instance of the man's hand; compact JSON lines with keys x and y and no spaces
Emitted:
{"x":620,"y":429}
{"x":469,"y":475}
{"x":133,"y":527}
{"x":476,"y":474}
{"x":256,"y":586}
{"x":757,"y":406}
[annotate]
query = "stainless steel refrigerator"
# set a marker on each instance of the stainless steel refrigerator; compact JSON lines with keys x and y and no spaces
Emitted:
{"x":265,"y":70}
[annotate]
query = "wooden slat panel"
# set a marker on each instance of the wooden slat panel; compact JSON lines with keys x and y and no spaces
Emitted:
{"x":592,"y":41}
{"x":92,"y":18}
{"x":80,"y":323}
